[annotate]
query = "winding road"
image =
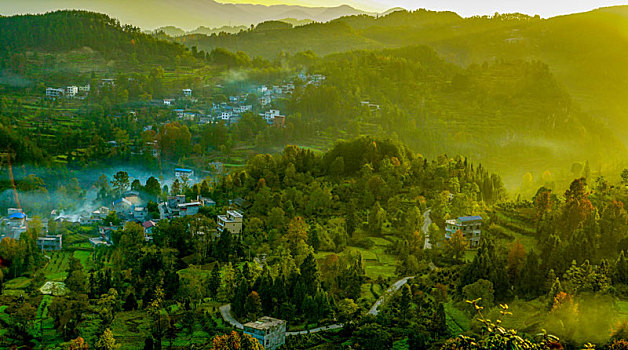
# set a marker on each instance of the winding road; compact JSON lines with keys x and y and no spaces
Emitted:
{"x":225,"y":310}
{"x":426,"y":228}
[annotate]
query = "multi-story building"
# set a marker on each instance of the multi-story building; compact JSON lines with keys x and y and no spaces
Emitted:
{"x":470,"y":226}
{"x":231,"y":222}
{"x":270,"y":332}
{"x":181,"y":172}
{"x":50,"y":242}
{"x":54,"y":93}
{"x":71,"y":91}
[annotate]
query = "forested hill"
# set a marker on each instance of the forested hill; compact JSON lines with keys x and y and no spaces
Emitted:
{"x":62,"y":31}
{"x":585,"y":51}
{"x":512,"y":116}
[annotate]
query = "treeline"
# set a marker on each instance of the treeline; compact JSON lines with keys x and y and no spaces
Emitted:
{"x":62,"y":31}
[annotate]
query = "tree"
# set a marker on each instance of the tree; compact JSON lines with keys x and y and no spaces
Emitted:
{"x":214,"y":281}
{"x":253,"y":306}
{"x":373,"y":336}
{"x":347,"y":309}
{"x":438,"y":323}
{"x":309,"y":275}
{"x":456,"y":245}
{"x":235,"y":341}
{"x":481,"y":289}
{"x":107,"y":341}
{"x":152,"y":187}
{"x":78,"y":344}
{"x":377,"y":216}
{"x":120,"y":182}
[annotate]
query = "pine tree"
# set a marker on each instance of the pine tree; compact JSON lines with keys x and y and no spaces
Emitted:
{"x":556,"y":288}
{"x":309,"y":275}
{"x":214,"y":281}
{"x":621,"y":268}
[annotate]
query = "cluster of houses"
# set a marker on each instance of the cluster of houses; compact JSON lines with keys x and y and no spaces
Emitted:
{"x":230,"y":112}
{"x":16,"y":223}
{"x":68,"y":92}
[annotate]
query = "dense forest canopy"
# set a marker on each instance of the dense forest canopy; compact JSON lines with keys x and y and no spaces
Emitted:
{"x":62,"y":31}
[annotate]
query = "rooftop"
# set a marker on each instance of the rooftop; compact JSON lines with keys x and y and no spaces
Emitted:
{"x":183,"y":170}
{"x":264,"y":323}
{"x":470,"y":218}
{"x":17,"y":216}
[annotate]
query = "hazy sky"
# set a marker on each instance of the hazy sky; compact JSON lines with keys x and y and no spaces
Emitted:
{"x":545,"y":8}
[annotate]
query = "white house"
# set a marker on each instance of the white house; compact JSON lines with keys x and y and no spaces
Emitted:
{"x":54,"y":93}
{"x":226,"y":115}
{"x":168,"y":101}
{"x":84,"y":88}
{"x":71,"y":91}
{"x":181,"y":172}
{"x":187,"y":92}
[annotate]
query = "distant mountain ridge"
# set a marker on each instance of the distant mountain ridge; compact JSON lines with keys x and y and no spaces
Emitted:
{"x":174,"y":32}
{"x":585,"y":51}
{"x":186,"y":14}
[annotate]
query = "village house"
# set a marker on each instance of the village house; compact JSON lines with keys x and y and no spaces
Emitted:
{"x":181,"y":172}
{"x":470,"y":226}
{"x":71,"y":91}
{"x":168,"y":101}
{"x":264,"y":101}
{"x":187,"y":92}
{"x":231,"y":222}
{"x":54,"y":93}
{"x":107,"y":82}
{"x":15,"y":224}
{"x":279,"y":121}
{"x":84,"y":88}
{"x":148,"y":227}
{"x":50,"y":242}
{"x":188,"y":209}
{"x":270,"y":115}
{"x":140,"y":213}
{"x":226,"y":116}
{"x":270,"y":332}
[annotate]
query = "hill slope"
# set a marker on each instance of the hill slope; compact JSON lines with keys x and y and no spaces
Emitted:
{"x":585,"y":51}
{"x":63,"y":31}
{"x":512,"y":115}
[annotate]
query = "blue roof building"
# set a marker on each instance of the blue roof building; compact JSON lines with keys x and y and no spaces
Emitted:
{"x":470,"y":226}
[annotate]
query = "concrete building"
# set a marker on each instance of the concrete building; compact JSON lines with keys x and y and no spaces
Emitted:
{"x":180,"y":172}
{"x":71,"y":91}
{"x":270,"y":332}
{"x":187,"y":209}
{"x":470,"y":226}
{"x":231,"y":222}
{"x":54,"y":93}
{"x":187,"y":92}
{"x":50,"y":242}
{"x":14,"y":224}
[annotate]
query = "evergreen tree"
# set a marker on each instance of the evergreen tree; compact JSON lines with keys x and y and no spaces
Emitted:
{"x":214,"y":281}
{"x":310,"y":276}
